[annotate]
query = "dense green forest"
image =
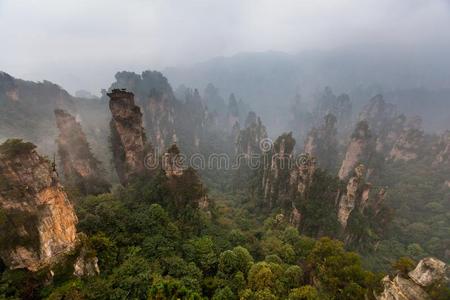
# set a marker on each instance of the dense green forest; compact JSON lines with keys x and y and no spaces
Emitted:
{"x":149,"y":248}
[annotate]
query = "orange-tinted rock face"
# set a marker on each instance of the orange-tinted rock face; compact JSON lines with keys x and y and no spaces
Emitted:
{"x":79,"y":164}
{"x":38,"y":221}
{"x":128,"y":139}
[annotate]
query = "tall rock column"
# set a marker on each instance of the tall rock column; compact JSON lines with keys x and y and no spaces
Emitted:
{"x":276,"y":173}
{"x":359,"y":150}
{"x":37,"y":220}
{"x":356,"y":196}
{"x":301,"y":179}
{"x":79,"y":164}
{"x":322,"y":143}
{"x":128,"y":140}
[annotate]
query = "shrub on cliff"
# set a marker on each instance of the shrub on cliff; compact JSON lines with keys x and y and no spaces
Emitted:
{"x":15,"y":147}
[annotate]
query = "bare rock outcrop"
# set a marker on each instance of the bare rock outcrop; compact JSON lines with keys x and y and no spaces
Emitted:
{"x":37,"y":220}
{"x":79,"y":165}
{"x":300,"y":181}
{"x":401,"y":288}
{"x":172,"y":162}
{"x":301,"y":176}
{"x":26,"y":110}
{"x":359,"y":150}
{"x":428,"y":272}
{"x":86,"y":264}
{"x":287,"y":178}
{"x":356,"y":196}
{"x":249,"y":146}
{"x":128,"y":140}
{"x":322,"y":143}
{"x":154,"y":95}
{"x":276,"y":172}
{"x":183,"y":180}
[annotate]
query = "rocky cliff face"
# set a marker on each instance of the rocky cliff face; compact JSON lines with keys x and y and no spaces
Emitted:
{"x":78,"y":163}
{"x":37,"y":220}
{"x":276,"y":172}
{"x":181,"y":116}
{"x":300,"y":181}
{"x":359,"y":150}
{"x":129,"y":143}
{"x":409,"y":142}
{"x":158,"y":104}
{"x":184,"y":182}
{"x":356,"y":196}
{"x":322,"y":143}
{"x":26,"y":110}
{"x":172,"y":163}
{"x":429,"y":271}
{"x":248,"y":149}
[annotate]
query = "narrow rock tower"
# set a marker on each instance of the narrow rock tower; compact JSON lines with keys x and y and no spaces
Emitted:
{"x":128,"y":140}
{"x":79,"y":164}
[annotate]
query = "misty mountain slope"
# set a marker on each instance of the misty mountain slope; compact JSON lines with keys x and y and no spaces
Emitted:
{"x":27,"y":112}
{"x":26,"y":109}
{"x":268,"y":81}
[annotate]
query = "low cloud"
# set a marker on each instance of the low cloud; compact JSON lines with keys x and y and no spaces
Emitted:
{"x":81,"y":44}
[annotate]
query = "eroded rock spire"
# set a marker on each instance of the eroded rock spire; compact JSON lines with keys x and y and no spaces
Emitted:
{"x":79,"y":165}
{"x":128,"y":140}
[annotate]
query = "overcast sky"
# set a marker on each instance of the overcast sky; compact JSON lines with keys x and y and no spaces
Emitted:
{"x":82,"y":43}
